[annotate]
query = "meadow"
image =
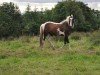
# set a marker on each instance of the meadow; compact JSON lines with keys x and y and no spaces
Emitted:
{"x":23,"y":56}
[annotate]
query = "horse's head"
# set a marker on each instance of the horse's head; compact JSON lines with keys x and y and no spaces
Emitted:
{"x":70,"y":20}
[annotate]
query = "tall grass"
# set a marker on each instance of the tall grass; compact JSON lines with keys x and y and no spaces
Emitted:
{"x":95,"y":38}
{"x":23,"y":56}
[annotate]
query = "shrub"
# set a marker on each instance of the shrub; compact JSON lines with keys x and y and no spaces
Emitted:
{"x":95,"y":38}
{"x":25,"y":39}
{"x":76,"y":36}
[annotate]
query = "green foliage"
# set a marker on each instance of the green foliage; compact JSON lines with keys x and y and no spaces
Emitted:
{"x":12,"y":23}
{"x":32,"y":21}
{"x":83,"y":22}
{"x":10,"y":20}
{"x":95,"y":38}
{"x":76,"y":36}
{"x":85,"y":18}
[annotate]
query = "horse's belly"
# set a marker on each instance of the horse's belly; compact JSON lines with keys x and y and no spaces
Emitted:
{"x":61,"y":33}
{"x":53,"y":33}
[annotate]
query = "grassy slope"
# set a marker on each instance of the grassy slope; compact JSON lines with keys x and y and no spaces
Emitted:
{"x":24,"y":57}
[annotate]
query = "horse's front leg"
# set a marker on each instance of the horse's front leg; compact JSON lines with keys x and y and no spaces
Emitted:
{"x":66,"y":39}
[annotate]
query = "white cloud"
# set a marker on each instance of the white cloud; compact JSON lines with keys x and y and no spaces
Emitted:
{"x":86,"y":1}
{"x":94,"y":5}
{"x":39,"y":1}
{"x":38,"y":6}
{"x":1,"y":1}
{"x":23,"y":5}
{"x":99,"y":5}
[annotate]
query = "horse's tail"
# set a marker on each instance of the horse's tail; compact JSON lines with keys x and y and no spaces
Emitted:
{"x":41,"y":36}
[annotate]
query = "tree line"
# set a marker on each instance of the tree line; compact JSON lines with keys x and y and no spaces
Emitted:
{"x":14,"y":23}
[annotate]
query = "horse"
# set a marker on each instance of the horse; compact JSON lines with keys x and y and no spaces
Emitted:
{"x":63,"y":28}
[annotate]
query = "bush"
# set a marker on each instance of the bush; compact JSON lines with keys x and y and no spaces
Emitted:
{"x":95,"y":38}
{"x":25,"y":39}
{"x":10,"y":20}
{"x":76,"y":36}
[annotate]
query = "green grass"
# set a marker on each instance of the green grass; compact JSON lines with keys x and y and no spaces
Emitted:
{"x":23,"y":56}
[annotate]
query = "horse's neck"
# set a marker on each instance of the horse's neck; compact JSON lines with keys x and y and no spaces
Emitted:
{"x":65,"y":26}
{"x":61,"y":27}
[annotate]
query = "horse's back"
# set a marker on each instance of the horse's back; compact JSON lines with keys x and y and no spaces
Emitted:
{"x":51,"y":28}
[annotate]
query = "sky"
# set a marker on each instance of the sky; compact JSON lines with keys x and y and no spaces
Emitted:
{"x":48,"y":4}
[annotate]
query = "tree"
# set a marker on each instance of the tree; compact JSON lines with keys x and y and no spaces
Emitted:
{"x":10,"y":20}
{"x":66,"y":8}
{"x":85,"y":18}
{"x":28,"y":9}
{"x":31,"y":21}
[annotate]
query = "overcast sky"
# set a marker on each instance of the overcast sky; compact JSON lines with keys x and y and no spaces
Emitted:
{"x":48,"y":4}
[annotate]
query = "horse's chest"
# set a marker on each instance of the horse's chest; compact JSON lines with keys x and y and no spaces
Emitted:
{"x":61,"y":33}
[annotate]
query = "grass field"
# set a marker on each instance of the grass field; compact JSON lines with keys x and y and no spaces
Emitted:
{"x":22,"y":56}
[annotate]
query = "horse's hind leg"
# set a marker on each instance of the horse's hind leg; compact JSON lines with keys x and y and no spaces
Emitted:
{"x":41,"y":41}
{"x":45,"y":35}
